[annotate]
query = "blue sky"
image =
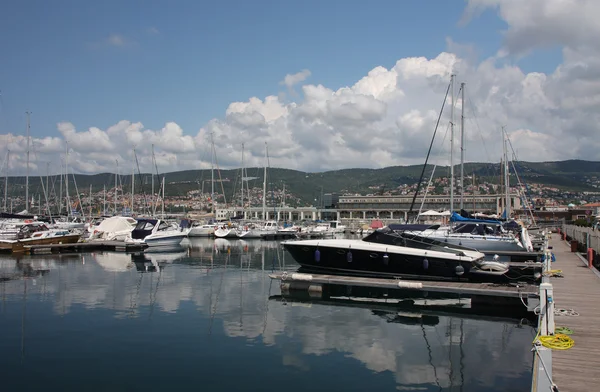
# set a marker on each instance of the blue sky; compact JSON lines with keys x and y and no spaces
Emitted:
{"x":185,"y":61}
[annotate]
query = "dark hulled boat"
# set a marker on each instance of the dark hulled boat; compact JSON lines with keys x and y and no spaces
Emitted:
{"x":387,"y":253}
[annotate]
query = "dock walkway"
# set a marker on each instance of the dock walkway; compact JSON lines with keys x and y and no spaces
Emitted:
{"x":576,"y":369}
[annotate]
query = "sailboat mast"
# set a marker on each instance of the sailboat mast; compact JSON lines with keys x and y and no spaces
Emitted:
{"x":27,"y":169}
{"x":163,"y":198}
{"x":242,"y":204}
{"x":6,"y":179}
{"x":67,"y":179}
{"x":132,"y":181}
{"x":47,"y":188}
{"x":152,"y":200}
{"x":104,"y":201}
{"x":506,"y":173}
{"x":264,"y":199}
{"x":212,"y":174}
{"x":60,"y":194}
{"x":474,"y":187}
{"x":452,"y":143}
{"x":116,"y":178}
{"x":462,"y":145}
{"x":90,"y":194}
{"x":283,"y":197}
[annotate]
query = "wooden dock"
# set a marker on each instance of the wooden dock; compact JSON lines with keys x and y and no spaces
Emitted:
{"x":116,"y":246}
{"x":576,"y":369}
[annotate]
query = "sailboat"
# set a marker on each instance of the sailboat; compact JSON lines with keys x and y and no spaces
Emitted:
{"x":484,"y":235}
{"x":268,"y":227}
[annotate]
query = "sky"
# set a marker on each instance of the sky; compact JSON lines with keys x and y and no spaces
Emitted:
{"x":326,"y":84}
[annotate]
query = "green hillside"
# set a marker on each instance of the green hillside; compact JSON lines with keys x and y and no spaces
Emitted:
{"x":572,"y":175}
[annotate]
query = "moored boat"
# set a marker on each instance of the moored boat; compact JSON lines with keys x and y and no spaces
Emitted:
{"x":387,"y":254}
{"x":156,"y":232}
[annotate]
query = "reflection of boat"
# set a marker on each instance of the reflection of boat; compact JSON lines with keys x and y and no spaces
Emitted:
{"x":114,"y":262}
{"x":155,"y":260}
{"x":403,"y":302}
{"x":407,"y":318}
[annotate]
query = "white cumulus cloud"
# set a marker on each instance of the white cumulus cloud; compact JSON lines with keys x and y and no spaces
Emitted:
{"x":386,"y":117}
{"x":291,"y":80}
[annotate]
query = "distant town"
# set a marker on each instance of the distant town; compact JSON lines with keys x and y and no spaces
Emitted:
{"x":198,"y":201}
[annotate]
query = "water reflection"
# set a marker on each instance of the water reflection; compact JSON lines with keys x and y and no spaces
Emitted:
{"x":212,"y":301}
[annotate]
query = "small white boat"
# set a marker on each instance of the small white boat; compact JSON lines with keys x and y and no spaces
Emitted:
{"x":69,"y":223}
{"x":202,"y":230}
{"x":226,"y":231}
{"x":258,"y":231}
{"x":156,"y":232}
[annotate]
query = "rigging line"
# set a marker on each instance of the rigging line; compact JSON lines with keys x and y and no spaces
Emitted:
{"x":432,"y":172}
{"x":43,"y":183}
{"x":155,"y":200}
{"x":428,"y":152}
{"x":472,"y":107}
{"x":528,"y":203}
{"x":437,"y":381}
{"x":214,"y":309}
{"x":141,"y":182}
{"x":219,"y":173}
{"x":78,"y":197}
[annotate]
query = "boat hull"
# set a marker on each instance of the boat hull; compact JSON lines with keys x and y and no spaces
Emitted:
{"x":372,"y":261}
{"x":360,"y":258}
{"x":201,"y":232}
{"x":17,"y":246}
{"x":226,"y":233}
{"x":171,"y":240}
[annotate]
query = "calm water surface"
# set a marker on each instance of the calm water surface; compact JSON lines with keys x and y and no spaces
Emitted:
{"x":208,"y":317}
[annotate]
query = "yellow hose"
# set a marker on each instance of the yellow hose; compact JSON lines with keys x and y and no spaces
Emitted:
{"x":557,"y":342}
{"x":554,"y":272}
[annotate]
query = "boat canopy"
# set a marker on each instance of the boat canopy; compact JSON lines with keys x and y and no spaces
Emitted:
{"x":116,"y":223}
{"x":458,"y":218}
{"x":412,"y":227}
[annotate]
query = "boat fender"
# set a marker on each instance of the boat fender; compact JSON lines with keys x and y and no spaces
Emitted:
{"x":493,"y":266}
{"x":425,"y":264}
{"x":303,"y":277}
{"x":410,"y":285}
{"x":317,"y":255}
{"x":349,"y":257}
{"x":386,"y":258}
{"x":460,"y":270}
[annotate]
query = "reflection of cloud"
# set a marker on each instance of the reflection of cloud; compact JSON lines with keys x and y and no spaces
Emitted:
{"x":233,"y":288}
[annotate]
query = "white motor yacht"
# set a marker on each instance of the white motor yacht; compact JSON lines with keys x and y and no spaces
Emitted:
{"x":156,"y":232}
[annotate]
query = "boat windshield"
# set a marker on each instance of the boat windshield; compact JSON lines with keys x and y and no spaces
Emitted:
{"x":390,"y":237}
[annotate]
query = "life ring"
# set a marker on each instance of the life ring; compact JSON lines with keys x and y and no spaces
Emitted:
{"x":28,"y":221}
{"x":245,"y":228}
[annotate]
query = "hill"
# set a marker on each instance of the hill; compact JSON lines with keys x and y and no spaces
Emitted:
{"x":574,"y":175}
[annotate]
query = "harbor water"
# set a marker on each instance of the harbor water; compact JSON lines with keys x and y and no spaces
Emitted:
{"x":207,"y":317}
